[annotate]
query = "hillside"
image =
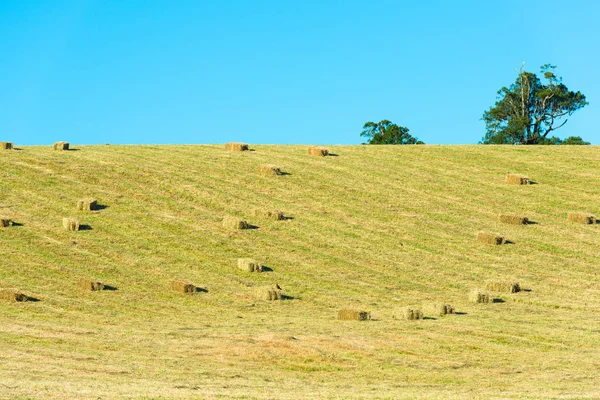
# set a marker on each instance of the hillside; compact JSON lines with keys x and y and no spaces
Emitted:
{"x":373,"y":228}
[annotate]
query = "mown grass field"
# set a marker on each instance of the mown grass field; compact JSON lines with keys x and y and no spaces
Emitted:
{"x":374,"y":228}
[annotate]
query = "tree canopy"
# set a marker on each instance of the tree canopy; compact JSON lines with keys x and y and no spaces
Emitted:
{"x":386,"y":132}
{"x":529,"y":109}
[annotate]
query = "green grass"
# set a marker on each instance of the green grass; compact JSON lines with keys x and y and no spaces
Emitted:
{"x":374,"y":228}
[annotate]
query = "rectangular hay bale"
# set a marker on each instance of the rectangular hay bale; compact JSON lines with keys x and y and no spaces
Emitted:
{"x":12,"y":296}
{"x":439,"y":309}
{"x":490,"y":238}
{"x":249,"y":265}
{"x":183,"y":287}
{"x":6,"y":145}
{"x":353,"y":315}
{"x":235,"y":223}
{"x":61,"y":146}
{"x":517,"y":179}
{"x":503,"y":286}
{"x":318,"y":151}
{"x":478,"y":296}
{"x":409,"y":313}
{"x":88,"y":204}
{"x":268,"y":293}
{"x":270,"y":214}
{"x":236,"y":146}
{"x":91,"y":285}
{"x":71,"y":224}
{"x":513,"y":219}
{"x":581,"y":218}
{"x":5,"y":222}
{"x":269,"y":169}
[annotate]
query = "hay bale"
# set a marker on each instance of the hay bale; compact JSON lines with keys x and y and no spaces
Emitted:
{"x":270,"y":214}
{"x":88,"y":204}
{"x":439,"y":309}
{"x":13,"y":296}
{"x":409,"y":313}
{"x":183,"y":287}
{"x":236,"y":146}
{"x":249,"y":265}
{"x":513,"y":219}
{"x":5,"y":222}
{"x":353,"y":315}
{"x":269,"y":293}
{"x":6,"y":145}
{"x":478,"y":296}
{"x":490,"y":238}
{"x":269,"y":169}
{"x":581,"y":218}
{"x":61,"y":146}
{"x":91,"y":285}
{"x":235,"y":223}
{"x":318,"y":151}
{"x":71,"y":224}
{"x":503,"y":286}
{"x":517,"y":179}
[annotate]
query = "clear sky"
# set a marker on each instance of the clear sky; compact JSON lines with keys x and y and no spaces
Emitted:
{"x":304,"y":71}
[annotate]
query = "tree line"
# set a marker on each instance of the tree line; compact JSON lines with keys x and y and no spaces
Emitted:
{"x":526,"y":112}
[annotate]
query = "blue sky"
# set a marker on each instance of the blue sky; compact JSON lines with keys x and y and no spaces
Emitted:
{"x":192,"y":71}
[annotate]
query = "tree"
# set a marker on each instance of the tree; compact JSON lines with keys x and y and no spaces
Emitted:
{"x":385,"y":132}
{"x":528,"y":110}
{"x":571,"y":140}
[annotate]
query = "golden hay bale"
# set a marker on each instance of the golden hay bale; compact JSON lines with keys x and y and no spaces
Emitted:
{"x":318,"y":151}
{"x":71,"y":224}
{"x":12,"y":295}
{"x":183,"y":287}
{"x":581,"y":218}
{"x":269,"y":169}
{"x":353,"y":315}
{"x":88,"y":284}
{"x":236,"y":146}
{"x":5,"y":222}
{"x":6,"y":145}
{"x":513,"y":219}
{"x":517,"y":179}
{"x":88,"y":204}
{"x":235,"y":223}
{"x":61,"y":146}
{"x":503,"y":286}
{"x":274,"y":215}
{"x":408,"y":313}
{"x":268,"y":293}
{"x":249,"y":265}
{"x":478,"y":296}
{"x":439,"y":309}
{"x":490,"y":238}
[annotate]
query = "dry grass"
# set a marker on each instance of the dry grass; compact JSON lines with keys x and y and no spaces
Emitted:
{"x":478,"y":296}
{"x":270,"y":214}
{"x":11,"y":295}
{"x":490,"y":238}
{"x":87,"y":204}
{"x":514,"y":219}
{"x":183,"y":287}
{"x":353,"y":315}
{"x":269,"y":169}
{"x":6,"y":146}
{"x":503,"y":286}
{"x":70,"y":224}
{"x":236,"y":146}
{"x":5,"y":222}
{"x":517,"y":179}
{"x":90,"y":285}
{"x":249,"y":265}
{"x":318,"y":151}
{"x":61,"y":146}
{"x":268,"y":293}
{"x":235,"y":223}
{"x":581,"y":218}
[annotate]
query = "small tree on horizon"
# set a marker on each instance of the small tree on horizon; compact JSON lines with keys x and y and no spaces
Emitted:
{"x":528,"y":110}
{"x":386,"y":132}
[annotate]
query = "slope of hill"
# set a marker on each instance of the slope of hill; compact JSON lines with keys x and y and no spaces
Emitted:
{"x":373,"y":228}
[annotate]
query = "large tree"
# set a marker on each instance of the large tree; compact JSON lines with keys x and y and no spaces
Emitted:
{"x":529,"y":109}
{"x":386,"y":132}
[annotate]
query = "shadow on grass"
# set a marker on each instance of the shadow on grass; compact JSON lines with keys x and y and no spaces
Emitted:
{"x":16,"y":224}
{"x":33,"y":299}
{"x":332,"y":155}
{"x":497,"y":300}
{"x":430,"y":318}
{"x":201,"y":290}
{"x":253,"y":227}
{"x":509,"y":242}
{"x":460,"y":313}
{"x":110,"y":288}
{"x":85,"y":227}
{"x":100,"y":207}
{"x":531,"y":223}
{"x":286,"y":218}
{"x":282,"y":173}
{"x":266,"y":269}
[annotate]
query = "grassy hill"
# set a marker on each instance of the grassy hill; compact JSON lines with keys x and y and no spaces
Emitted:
{"x":373,"y":228}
